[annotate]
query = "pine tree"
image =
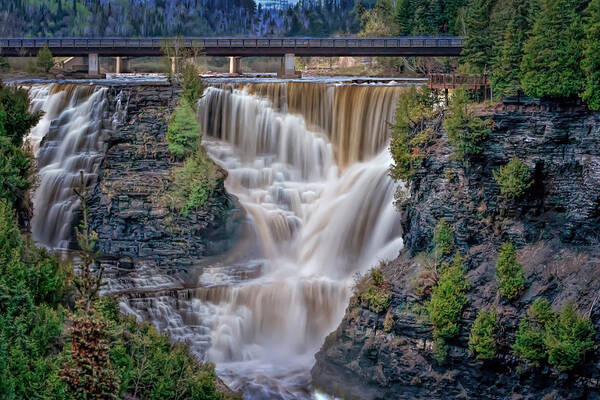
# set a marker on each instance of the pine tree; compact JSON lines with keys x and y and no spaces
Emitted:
{"x":45,"y":61}
{"x":477,"y":50}
{"x":591,"y":55}
{"x":552,"y":56}
{"x":506,"y":77}
{"x":404,"y":17}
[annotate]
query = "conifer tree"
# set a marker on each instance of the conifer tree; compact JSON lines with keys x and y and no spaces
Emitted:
{"x":45,"y":61}
{"x":404,"y":17}
{"x":552,"y":56}
{"x":591,"y":55}
{"x":477,"y":50}
{"x":506,"y":75}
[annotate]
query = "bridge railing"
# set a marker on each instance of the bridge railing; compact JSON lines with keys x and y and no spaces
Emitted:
{"x":191,"y":42}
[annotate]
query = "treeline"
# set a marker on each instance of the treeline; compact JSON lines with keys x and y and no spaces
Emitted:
{"x":59,"y":339}
{"x":159,"y":18}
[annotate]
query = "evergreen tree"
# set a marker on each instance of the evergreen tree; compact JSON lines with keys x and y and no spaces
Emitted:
{"x":552,"y":57}
{"x":477,"y":49}
{"x":45,"y":61}
{"x":404,"y":17}
{"x":506,"y":78}
{"x":591,"y":56}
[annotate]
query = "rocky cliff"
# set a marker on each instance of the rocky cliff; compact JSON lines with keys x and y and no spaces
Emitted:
{"x":128,"y":204}
{"x":556,"y":226}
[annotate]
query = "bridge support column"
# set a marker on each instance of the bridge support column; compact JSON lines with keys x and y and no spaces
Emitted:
{"x":288,"y":69}
{"x":93,"y":64}
{"x":122,"y":65}
{"x":235,"y":65}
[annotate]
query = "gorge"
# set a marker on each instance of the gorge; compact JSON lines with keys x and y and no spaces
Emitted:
{"x":258,"y":296}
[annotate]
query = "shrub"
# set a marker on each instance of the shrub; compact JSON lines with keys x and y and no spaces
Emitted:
{"x":482,"y":339}
{"x":568,"y":338}
{"x":440,"y":350}
{"x":466,"y":131}
{"x":510,"y":274}
{"x":388,"y":322}
{"x":409,"y":133}
{"x":564,"y":339}
{"x":193,"y":183}
{"x":45,"y":61}
{"x":443,"y":238}
{"x":183,"y":133}
{"x":4,"y":65}
{"x":448,"y":299}
{"x":191,"y":83}
{"x":377,"y":295}
{"x":514,"y":178}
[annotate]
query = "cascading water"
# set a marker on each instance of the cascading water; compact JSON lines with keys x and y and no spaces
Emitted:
{"x":317,"y":227}
{"x":308,"y":162}
{"x":68,"y":139}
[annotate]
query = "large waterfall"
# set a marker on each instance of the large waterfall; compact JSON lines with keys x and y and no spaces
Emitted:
{"x":308,"y":162}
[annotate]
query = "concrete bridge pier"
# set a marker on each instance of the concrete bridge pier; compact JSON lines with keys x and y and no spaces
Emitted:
{"x":93,"y":64}
{"x":235,"y":65}
{"x":122,"y":65}
{"x":288,"y":67}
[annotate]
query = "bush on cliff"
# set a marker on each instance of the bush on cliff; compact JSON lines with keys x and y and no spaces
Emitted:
{"x":443,"y":239}
{"x":562,"y":339}
{"x":510,"y":274}
{"x":377,"y":295}
{"x":183,"y":133}
{"x":466,"y":131}
{"x":448,"y":299}
{"x":482,"y":338}
{"x":191,"y":84}
{"x":513,"y":178}
{"x":193,"y":183}
{"x":409,"y":132}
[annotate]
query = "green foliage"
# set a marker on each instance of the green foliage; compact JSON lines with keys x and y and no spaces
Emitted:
{"x":44,"y":60}
{"x":466,"y":131}
{"x":443,"y":238}
{"x":514,"y":178}
{"x":506,"y":74}
{"x":482,"y":338}
{"x":552,"y":57}
{"x":191,"y":83}
{"x":409,"y":133}
{"x":194,"y":183}
{"x":591,"y":55}
{"x":568,"y":338}
{"x":4,"y":65}
{"x":377,"y":295}
{"x":32,"y":284}
{"x":510,"y":274}
{"x":563,"y":339}
{"x":440,"y":350}
{"x":183,"y":133}
{"x":149,"y":366}
{"x":477,"y":49}
{"x":448,"y":299}
{"x":17,"y":120}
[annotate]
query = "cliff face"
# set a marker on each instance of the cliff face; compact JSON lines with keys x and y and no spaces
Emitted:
{"x":556,"y":226}
{"x":128,"y":205}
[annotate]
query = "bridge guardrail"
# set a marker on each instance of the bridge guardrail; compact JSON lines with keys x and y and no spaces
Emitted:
{"x":405,"y":42}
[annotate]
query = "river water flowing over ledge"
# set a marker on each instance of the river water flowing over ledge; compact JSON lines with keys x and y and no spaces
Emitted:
{"x":308,"y":161}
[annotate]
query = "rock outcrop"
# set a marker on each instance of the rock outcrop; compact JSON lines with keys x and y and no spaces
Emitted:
{"x":128,"y":204}
{"x":556,"y":226}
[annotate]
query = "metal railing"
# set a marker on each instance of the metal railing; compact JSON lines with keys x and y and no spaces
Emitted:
{"x":203,"y":43}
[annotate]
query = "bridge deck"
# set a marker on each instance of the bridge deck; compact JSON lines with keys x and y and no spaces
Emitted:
{"x":344,"y":46}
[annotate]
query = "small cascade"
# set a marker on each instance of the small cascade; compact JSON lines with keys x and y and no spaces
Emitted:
{"x":68,"y":139}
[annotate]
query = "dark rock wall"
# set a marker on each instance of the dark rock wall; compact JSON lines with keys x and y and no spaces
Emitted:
{"x":556,"y":226}
{"x":128,"y":204}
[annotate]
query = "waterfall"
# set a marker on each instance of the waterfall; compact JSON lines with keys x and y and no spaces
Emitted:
{"x":69,"y":138}
{"x":318,"y":225}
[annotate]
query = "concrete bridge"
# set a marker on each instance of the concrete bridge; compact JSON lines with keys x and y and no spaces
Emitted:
{"x":235,"y":48}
